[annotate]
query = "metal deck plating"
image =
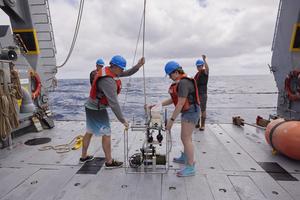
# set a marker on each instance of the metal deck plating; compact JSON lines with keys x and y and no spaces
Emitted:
{"x":228,"y":166}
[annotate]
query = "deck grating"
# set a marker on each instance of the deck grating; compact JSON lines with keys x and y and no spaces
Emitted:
{"x":276,"y":171}
{"x":92,"y":167}
{"x":231,"y":165}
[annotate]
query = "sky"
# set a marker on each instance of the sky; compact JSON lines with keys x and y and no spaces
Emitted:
{"x":235,"y":35}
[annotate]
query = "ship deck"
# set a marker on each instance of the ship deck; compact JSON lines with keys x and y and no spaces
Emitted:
{"x":232,"y":163}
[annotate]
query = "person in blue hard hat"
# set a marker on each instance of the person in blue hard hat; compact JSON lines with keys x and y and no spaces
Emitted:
{"x":99,"y":64}
{"x":202,"y":79}
{"x":183,"y":92}
{"x":104,"y":93}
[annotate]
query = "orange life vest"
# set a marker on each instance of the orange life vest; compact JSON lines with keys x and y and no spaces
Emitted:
{"x":104,"y":72}
{"x":173,"y":91}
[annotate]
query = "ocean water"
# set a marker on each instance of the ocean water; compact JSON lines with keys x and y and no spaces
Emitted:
{"x":245,"y":96}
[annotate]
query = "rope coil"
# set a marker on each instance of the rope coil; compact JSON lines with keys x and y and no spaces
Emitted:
{"x":5,"y":127}
{"x":74,"y":144}
{"x":16,"y":88}
{"x":8,"y":115}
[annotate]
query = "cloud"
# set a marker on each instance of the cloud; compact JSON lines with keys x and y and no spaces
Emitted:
{"x":235,"y":35}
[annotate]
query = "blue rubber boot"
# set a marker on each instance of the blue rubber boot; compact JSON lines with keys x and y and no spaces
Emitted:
{"x":188,"y":170}
{"x":182,"y":159}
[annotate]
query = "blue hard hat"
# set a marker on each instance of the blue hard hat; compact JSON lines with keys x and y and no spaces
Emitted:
{"x":100,"y":61}
{"x":199,"y":62}
{"x":171,"y":66}
{"x":118,"y":61}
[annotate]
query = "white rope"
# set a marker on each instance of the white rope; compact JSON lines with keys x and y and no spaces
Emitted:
{"x":142,"y":24}
{"x":75,"y":33}
{"x":144,"y":31}
{"x":138,"y":39}
{"x":133,"y":61}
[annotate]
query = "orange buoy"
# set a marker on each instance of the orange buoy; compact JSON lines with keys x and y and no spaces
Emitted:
{"x":284,"y":137}
{"x":35,"y":78}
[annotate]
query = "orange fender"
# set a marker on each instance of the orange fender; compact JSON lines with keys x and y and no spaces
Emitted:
{"x":284,"y":137}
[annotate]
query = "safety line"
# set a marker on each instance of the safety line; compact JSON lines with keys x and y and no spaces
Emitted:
{"x":144,"y":30}
{"x":75,"y":33}
{"x":134,"y":57}
{"x":142,"y":24}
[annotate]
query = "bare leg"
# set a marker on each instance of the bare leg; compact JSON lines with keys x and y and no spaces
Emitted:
{"x":198,"y":123}
{"x":106,"y":145}
{"x":85,"y":144}
{"x":203,"y":117}
{"x":186,"y":138}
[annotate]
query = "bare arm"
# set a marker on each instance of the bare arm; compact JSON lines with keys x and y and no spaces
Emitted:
{"x":167,"y":102}
{"x":205,"y":64}
{"x":134,"y":69}
{"x":178,"y":108}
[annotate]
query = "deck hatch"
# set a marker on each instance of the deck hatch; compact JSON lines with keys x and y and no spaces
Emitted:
{"x":37,"y":141}
{"x":276,"y":171}
{"x":92,"y":167}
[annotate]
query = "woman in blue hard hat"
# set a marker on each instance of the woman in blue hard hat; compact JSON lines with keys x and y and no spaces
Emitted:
{"x":202,"y":79}
{"x":99,"y":65}
{"x":185,"y":98}
{"x":104,"y":93}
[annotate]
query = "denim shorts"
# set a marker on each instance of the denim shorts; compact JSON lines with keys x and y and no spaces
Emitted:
{"x":97,"y":122}
{"x":191,"y":115}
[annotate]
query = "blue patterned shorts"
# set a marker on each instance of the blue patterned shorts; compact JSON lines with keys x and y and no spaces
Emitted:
{"x":97,"y":122}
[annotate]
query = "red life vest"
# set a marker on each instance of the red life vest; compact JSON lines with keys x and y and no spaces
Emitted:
{"x":173,"y":91}
{"x":104,"y":72}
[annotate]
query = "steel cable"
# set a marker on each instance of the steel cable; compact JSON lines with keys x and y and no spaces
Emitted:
{"x":75,"y":33}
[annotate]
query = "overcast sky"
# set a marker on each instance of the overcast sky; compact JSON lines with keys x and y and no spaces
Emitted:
{"x":236,"y":35}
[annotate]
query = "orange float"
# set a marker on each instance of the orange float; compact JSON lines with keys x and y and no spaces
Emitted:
{"x":284,"y":137}
{"x":36,"y":91}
